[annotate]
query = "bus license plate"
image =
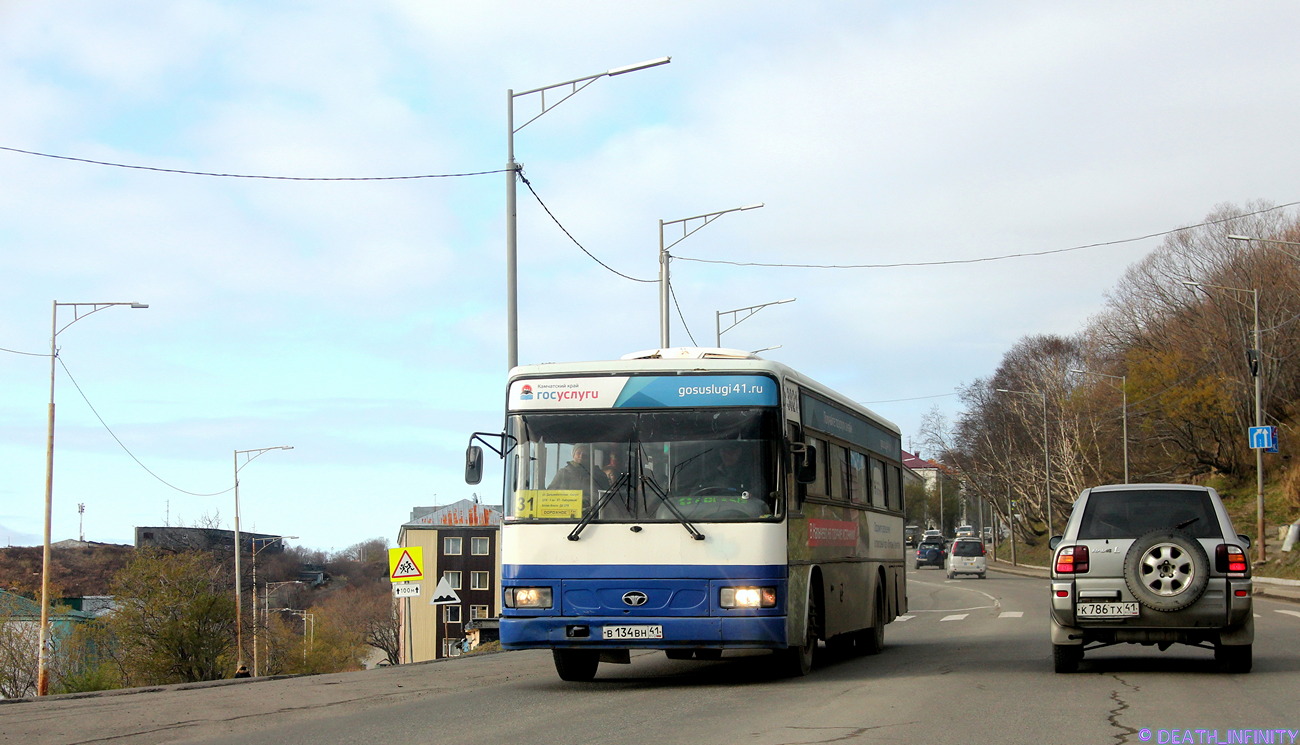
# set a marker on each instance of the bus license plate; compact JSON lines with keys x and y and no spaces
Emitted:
{"x":1106,"y":610}
{"x":633,"y":632}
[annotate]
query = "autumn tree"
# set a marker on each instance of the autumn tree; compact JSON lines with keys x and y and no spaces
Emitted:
{"x":175,"y":620}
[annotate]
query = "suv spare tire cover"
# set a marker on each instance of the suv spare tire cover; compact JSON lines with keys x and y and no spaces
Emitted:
{"x":1166,"y":570}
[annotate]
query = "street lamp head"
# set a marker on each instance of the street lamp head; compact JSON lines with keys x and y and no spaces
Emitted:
{"x":639,"y":66}
{"x":751,"y":207}
{"x":139,"y":305}
{"x":1240,"y":238}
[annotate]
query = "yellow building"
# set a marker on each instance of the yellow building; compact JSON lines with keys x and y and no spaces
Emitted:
{"x":460,"y":542}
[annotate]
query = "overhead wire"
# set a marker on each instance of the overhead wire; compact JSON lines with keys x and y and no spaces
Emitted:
{"x":1003,"y":257}
{"x":121,"y":444}
{"x":248,"y":175}
{"x":565,"y":230}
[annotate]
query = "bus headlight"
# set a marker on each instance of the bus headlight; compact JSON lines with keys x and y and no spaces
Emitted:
{"x":528,"y":597}
{"x":747,"y":597}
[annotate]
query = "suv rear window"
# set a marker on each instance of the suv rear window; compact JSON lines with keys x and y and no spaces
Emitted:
{"x":1129,"y":514}
{"x":967,"y":548}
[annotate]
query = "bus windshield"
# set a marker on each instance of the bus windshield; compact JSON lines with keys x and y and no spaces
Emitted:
{"x":694,"y":464}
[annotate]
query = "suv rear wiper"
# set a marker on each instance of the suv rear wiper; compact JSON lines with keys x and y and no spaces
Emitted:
{"x":1185,"y":523}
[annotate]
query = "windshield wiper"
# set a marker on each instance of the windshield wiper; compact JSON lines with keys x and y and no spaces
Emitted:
{"x":653,"y":486}
{"x":1185,"y":523}
{"x":600,"y":505}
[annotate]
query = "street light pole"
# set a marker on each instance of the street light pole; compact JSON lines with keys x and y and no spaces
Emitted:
{"x":43,"y":651}
{"x":249,"y":455}
{"x":1123,"y":389}
{"x":664,"y":257}
{"x":1248,"y":238}
{"x":736,"y":320}
{"x":1047,"y":460}
{"x":512,"y":177}
{"x":265,"y":545}
{"x":1254,"y":364}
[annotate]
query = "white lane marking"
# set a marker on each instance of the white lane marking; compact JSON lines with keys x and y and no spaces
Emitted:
{"x":1288,"y":612}
{"x":949,"y":610}
{"x":905,"y":618}
{"x":1011,"y":614}
{"x":954,"y":617}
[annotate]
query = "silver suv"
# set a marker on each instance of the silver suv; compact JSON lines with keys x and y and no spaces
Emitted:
{"x":1151,"y":564}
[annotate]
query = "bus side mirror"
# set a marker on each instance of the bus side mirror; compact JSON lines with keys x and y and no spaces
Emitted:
{"x":473,"y":464}
{"x":803,"y":463}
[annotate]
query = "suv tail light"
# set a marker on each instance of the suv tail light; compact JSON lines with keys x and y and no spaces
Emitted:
{"x":1072,"y":560}
{"x":1231,"y":560}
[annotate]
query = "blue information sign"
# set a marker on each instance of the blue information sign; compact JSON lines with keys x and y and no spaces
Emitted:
{"x":1263,"y":438}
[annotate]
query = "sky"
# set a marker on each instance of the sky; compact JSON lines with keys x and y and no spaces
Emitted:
{"x":363,"y":323}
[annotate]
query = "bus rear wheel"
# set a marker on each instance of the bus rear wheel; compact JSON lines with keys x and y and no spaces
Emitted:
{"x":872,"y":640}
{"x":578,"y":665}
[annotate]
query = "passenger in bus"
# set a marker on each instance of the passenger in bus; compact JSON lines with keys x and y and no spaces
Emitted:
{"x":614,"y":465}
{"x":578,"y":474}
{"x":622,"y":504}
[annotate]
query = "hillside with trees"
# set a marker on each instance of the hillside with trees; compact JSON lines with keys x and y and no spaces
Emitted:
{"x":1176,"y":343}
{"x":173,"y":618}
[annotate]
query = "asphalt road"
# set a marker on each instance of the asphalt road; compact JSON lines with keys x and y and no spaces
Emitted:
{"x":971,"y":663}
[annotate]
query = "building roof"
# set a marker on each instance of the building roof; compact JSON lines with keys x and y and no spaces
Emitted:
{"x":465,"y":513}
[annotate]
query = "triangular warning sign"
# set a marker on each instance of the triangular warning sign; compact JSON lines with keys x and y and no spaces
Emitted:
{"x":443,"y":594}
{"x":406,"y":568}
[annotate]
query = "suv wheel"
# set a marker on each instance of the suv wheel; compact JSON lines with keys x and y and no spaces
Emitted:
{"x":1066,"y":657}
{"x":1166,"y":570}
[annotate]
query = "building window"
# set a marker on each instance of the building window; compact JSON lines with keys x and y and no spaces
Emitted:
{"x":478,"y":611}
{"x":478,"y":580}
{"x":451,"y":647}
{"x":451,"y":613}
{"x":453,"y":579}
{"x":451,"y":546}
{"x":478,"y":546}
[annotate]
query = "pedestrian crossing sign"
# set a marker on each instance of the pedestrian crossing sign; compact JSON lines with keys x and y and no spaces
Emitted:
{"x":405,"y":564}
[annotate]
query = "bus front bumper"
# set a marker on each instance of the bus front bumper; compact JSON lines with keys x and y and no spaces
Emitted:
{"x":643,"y":632}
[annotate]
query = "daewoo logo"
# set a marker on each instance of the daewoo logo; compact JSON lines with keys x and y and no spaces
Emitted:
{"x":635,"y":598}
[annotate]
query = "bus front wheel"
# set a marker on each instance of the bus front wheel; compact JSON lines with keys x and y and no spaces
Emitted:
{"x":799,"y":659}
{"x":577,"y":665}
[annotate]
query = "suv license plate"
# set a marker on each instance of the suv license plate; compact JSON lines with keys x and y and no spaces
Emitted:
{"x":633,"y":632}
{"x":1106,"y":610}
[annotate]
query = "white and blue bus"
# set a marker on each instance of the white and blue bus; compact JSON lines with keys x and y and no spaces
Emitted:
{"x":693,"y":501}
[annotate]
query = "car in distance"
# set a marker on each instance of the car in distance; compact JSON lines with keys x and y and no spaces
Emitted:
{"x":911,"y":534}
{"x":965,"y":531}
{"x":1151,"y":564}
{"x":930,"y":552}
{"x":966,"y":556}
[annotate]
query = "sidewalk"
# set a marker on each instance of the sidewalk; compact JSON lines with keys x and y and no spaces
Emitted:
{"x":1269,"y":587}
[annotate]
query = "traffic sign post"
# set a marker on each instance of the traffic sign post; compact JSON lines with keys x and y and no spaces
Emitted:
{"x":405,"y":564}
{"x":444,"y":595}
{"x":406,"y":589}
{"x":1263,"y":438}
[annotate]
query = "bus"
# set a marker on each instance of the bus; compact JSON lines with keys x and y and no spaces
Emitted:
{"x":693,"y":500}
